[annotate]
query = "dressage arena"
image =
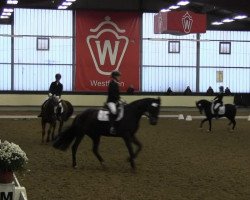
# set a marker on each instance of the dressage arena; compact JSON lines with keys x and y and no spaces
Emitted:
{"x":178,"y":162}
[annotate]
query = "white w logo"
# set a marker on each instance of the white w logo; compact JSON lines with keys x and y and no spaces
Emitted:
{"x":107,"y":48}
{"x":187,"y":22}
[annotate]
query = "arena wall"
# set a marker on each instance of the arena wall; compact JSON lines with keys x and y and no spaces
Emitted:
{"x":98,"y":100}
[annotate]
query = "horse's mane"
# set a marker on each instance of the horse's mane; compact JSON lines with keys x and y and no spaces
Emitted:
{"x":140,"y":102}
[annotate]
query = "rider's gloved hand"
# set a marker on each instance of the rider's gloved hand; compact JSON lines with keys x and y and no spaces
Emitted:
{"x":50,"y":95}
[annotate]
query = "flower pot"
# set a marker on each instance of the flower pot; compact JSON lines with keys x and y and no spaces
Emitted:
{"x":6,"y":177}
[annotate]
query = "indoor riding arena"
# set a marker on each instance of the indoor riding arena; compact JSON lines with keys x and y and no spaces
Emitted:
{"x":139,"y":100}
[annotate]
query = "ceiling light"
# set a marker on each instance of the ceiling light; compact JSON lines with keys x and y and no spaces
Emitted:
{"x":183,"y":3}
{"x":70,"y":0}
{"x":217,"y":23}
{"x":6,"y":14}
{"x":62,"y":7}
{"x":240,"y":17}
{"x":8,"y":10}
{"x":66,"y":3}
{"x":227,"y":20}
{"x":12,"y":2}
{"x":164,"y":10}
{"x":4,"y":17}
{"x":174,"y":7}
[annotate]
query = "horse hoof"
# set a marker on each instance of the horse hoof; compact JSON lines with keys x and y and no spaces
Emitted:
{"x":209,"y":131}
{"x":74,"y":166}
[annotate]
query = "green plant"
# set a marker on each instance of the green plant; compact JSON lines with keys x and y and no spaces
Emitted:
{"x":12,"y":157}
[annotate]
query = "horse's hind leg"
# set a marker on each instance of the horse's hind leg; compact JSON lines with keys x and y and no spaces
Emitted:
{"x":234,"y":123}
{"x":74,"y":149}
{"x":96,"y":142}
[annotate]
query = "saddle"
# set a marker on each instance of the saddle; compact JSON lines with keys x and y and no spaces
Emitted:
{"x":103,"y":114}
{"x":221,"y":111}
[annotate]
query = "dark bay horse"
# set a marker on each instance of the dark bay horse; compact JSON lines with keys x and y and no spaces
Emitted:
{"x":49,"y":117}
{"x":205,"y":105}
{"x":87,"y":123}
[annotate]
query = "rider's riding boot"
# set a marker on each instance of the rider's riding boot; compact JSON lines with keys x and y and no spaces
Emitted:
{"x":112,"y":118}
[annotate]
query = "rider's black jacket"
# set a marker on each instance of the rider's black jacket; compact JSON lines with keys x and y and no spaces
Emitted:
{"x":56,"y":88}
{"x":113,"y":91}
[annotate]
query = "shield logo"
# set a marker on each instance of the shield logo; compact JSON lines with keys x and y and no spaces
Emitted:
{"x":107,"y":46}
{"x":187,"y":22}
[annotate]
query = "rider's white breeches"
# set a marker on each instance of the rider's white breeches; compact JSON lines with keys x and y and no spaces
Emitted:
{"x":112,"y":107}
{"x":217,"y":105}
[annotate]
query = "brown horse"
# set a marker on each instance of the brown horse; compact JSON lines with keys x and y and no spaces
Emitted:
{"x":48,"y":116}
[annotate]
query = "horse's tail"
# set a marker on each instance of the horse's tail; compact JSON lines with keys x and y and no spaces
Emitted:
{"x":65,"y":138}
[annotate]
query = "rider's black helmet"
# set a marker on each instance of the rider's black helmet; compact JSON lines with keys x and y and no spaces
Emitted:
{"x":115,"y":74}
{"x":58,"y":76}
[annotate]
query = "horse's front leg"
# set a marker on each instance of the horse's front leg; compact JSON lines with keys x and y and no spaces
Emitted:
{"x":43,"y":130}
{"x":210,"y":124}
{"x":138,"y":144}
{"x":96,"y":142}
{"x":130,"y":150}
{"x":48,"y":133}
{"x":60,"y":126}
{"x":53,"y":131}
{"x":204,"y":120}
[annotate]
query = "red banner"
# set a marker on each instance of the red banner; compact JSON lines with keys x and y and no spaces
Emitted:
{"x":107,"y":41}
{"x":180,"y":22}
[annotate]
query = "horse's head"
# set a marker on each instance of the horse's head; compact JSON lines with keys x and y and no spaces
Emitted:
{"x":153,"y":111}
{"x":199,"y":106}
{"x":53,"y":101}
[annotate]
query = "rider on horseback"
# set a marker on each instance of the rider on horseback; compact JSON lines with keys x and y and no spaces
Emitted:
{"x":113,"y":99}
{"x":218,"y":101}
{"x":55,"y":89}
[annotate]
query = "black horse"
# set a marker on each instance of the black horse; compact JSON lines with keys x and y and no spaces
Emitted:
{"x":87,"y":123}
{"x":49,"y":116}
{"x":230,"y":112}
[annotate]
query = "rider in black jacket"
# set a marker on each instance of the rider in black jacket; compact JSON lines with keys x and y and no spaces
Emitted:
{"x":113,"y":98}
{"x":218,"y":101}
{"x":55,"y":89}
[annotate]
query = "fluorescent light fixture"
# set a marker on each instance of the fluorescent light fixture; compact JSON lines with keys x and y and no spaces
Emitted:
{"x":66,"y":3}
{"x":217,"y":23}
{"x":8,"y":10}
{"x":174,"y":7}
{"x":6,"y":14}
{"x":164,"y":10}
{"x":183,"y":3}
{"x":240,"y":17}
{"x":227,"y":20}
{"x":62,"y":7}
{"x":4,"y":17}
{"x":12,"y":2}
{"x":70,"y":0}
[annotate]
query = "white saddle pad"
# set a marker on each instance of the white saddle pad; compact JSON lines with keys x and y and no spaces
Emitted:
{"x":103,"y":115}
{"x":222,"y":110}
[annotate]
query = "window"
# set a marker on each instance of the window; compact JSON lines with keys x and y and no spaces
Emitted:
{"x":219,"y":76}
{"x":42,"y":44}
{"x":225,"y":47}
{"x":174,"y":47}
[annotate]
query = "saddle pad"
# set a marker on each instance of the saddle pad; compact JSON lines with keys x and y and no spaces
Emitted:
{"x":103,"y":115}
{"x":222,"y":110}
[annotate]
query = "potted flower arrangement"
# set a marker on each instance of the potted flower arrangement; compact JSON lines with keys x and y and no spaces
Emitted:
{"x":12,"y":158}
